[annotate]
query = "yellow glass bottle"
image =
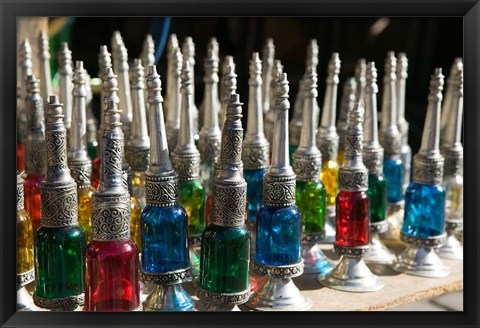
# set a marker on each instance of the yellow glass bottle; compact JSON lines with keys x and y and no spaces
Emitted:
{"x":329,"y":178}
{"x":136,"y":212}
{"x":24,"y":237}
{"x":85,"y":210}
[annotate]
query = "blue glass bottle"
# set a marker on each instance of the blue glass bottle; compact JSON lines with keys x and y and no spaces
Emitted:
{"x":164,"y":234}
{"x":424,"y":210}
{"x":394,"y":171}
{"x":254,"y":180}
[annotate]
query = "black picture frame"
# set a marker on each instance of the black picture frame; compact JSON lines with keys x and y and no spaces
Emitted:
{"x":10,"y":9}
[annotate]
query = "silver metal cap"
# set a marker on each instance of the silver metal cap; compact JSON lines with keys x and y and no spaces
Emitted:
{"x":312,"y":54}
{"x":307,"y":159}
{"x":210,"y":134}
{"x":402,"y":68}
{"x":172,"y":43}
{"x":137,"y":149}
{"x":109,"y":88}
{"x":78,"y":160}
{"x":268,"y":57}
{"x":186,"y":157}
{"x":372,"y":151}
{"x":280,"y":175}
{"x":104,"y":63}
{"x":255,"y":145}
{"x":91,"y":120}
{"x":327,"y":137}
{"x":346,"y":105}
{"x":229,"y":82}
{"x":65,"y":69}
{"x":452,"y":148}
{"x":277,"y":69}
{"x":25,"y":61}
{"x":161,"y":183}
{"x":20,"y":197}
{"x":148,"y":52}
{"x":449,"y":95}
{"x":174,"y":98}
{"x":428,"y":163}
{"x":214,"y":46}
{"x":360,"y":78}
{"x":353,"y":175}
{"x":188,"y":50}
{"x":229,"y":183}
{"x":34,"y":147}
{"x":116,"y":40}
{"x":58,"y":191}
{"x":390,"y":137}
{"x":44,"y":56}
{"x":121,"y":68}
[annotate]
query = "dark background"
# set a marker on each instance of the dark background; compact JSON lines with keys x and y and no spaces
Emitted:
{"x":428,"y":43}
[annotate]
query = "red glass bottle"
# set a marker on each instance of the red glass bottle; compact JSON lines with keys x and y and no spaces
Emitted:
{"x":32,"y":198}
{"x":20,"y":166}
{"x":96,"y":172}
{"x":352,"y":226}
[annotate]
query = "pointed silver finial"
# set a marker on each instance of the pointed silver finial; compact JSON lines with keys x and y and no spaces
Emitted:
{"x":312,"y":54}
{"x":307,"y":159}
{"x":210,"y":134}
{"x":255,"y":146}
{"x":402,"y":68}
{"x":188,"y":52}
{"x":172,"y":43}
{"x":277,"y":69}
{"x":360,"y":78}
{"x":390,"y":137}
{"x":327,"y":137}
{"x":268,"y":57}
{"x":137,"y":148}
{"x":25,"y":60}
{"x":347,"y":103}
{"x":214,"y":46}
{"x":447,"y":103}
{"x":44,"y":58}
{"x":104,"y":63}
{"x":65,"y":70}
{"x":91,"y":120}
{"x":148,"y":52}
{"x":174,"y":98}
{"x":121,"y":68}
{"x":229,"y":82}
{"x":34,"y":147}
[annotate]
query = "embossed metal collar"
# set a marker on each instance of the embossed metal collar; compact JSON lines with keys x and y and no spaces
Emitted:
{"x":279,"y":191}
{"x":161,"y":191}
{"x":427,"y":170}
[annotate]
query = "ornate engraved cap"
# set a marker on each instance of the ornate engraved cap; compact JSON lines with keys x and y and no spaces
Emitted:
{"x":372,"y":151}
{"x":20,"y":198}
{"x":161,"y":180}
{"x":268,"y":57}
{"x":228,"y":85}
{"x":353,"y":175}
{"x":230,"y":188}
{"x":25,"y":53}
{"x":65,"y":68}
{"x":327,"y":137}
{"x":148,"y":52}
{"x":44,"y":56}
{"x":58,"y":191}
{"x":390,"y":136}
{"x":111,"y":202}
{"x":256,"y":146}
{"x":210,"y":134}
{"x":428,"y":163}
{"x":109,"y":88}
{"x":137,"y":149}
{"x":78,"y":161}
{"x":307,"y":159}
{"x":279,"y":182}
{"x":452,"y":147}
{"x":346,"y":105}
{"x":35,"y":160}
{"x":185,"y":157}
{"x":312,"y":54}
{"x":449,"y":96}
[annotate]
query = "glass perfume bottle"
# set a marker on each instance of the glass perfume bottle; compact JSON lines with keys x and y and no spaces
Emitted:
{"x":24,"y":254}
{"x":310,"y":192}
{"x":186,"y":162}
{"x":137,"y":149}
{"x":279,"y":223}
{"x":255,"y":146}
{"x":225,"y":250}
{"x":210,"y":134}
{"x":35,"y":160}
{"x":352,"y":215}
{"x":78,"y":160}
{"x":112,"y":262}
{"x":424,"y":215}
{"x":60,"y":241}
{"x":377,"y":186}
{"x":327,"y":140}
{"x":165,"y":256}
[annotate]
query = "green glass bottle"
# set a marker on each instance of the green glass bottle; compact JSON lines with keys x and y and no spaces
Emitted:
{"x":377,"y":192}
{"x":60,"y":242}
{"x":225,"y":249}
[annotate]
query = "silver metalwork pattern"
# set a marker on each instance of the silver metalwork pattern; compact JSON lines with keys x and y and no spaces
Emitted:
{"x":307,"y":167}
{"x":279,"y":191}
{"x":255,"y":157}
{"x":25,"y":278}
{"x":230,"y":202}
{"x":20,"y":196}
{"x":373,"y":160}
{"x":81,"y":173}
{"x":453,"y":163}
{"x":65,"y":303}
{"x":59,"y":205}
{"x":223,"y":298}
{"x":161,"y":191}
{"x":209,"y":147}
{"x":346,"y":105}
{"x":358,"y":251}
{"x":187,"y":166}
{"x":167,"y":278}
{"x":282,"y":272}
{"x":353,"y":180}
{"x":435,"y":241}
{"x":379,"y":227}
{"x":328,"y":146}
{"x":137,"y":158}
{"x":110,"y":217}
{"x":427,"y":170}
{"x":451,"y":226}
{"x":313,"y":238}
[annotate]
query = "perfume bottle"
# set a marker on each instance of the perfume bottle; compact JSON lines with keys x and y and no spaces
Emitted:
{"x":269,"y":117}
{"x":210,"y":134}
{"x":279,"y":223}
{"x":391,"y":138}
{"x":406,"y":152}
{"x":137,"y":149}
{"x":164,"y":224}
{"x":77,"y":157}
{"x":24,"y":266}
{"x":121,"y":69}
{"x":44,"y":60}
{"x":452,"y":150}
{"x":377,"y":185}
{"x":255,"y":146}
{"x":188,"y":53}
{"x":424,"y":215}
{"x":60,"y":241}
{"x":327,"y":140}
{"x":186,"y":162}
{"x":173,"y":98}
{"x":25,"y":60}
{"x":112,"y":263}
{"x":35,"y":154}
{"x":65,"y":69}
{"x":268,"y":57}
{"x":310,"y":193}
{"x":223,"y":282}
{"x":352,"y":215}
